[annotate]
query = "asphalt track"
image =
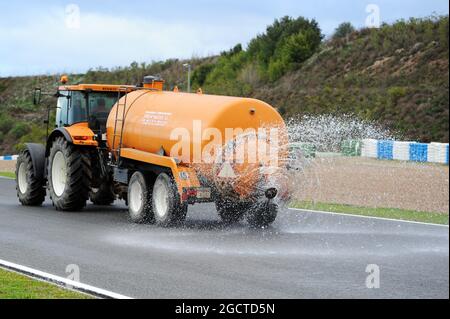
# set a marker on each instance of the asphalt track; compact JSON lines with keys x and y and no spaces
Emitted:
{"x":303,"y":255}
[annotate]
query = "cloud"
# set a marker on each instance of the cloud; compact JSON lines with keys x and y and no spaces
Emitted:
{"x":35,"y":39}
{"x":51,"y":44}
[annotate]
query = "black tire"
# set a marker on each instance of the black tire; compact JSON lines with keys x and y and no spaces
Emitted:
{"x":230,"y":211}
{"x":140,"y":209}
{"x":173,"y":212}
{"x":262,"y":214}
{"x":78,"y":176}
{"x":104,"y":195}
{"x":34,"y":192}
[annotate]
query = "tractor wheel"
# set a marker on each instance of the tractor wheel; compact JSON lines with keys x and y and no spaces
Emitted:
{"x":166,"y":203}
{"x":30,"y":190}
{"x":69,"y":175}
{"x":139,"y":199}
{"x":262,"y":214}
{"x":230,"y":211}
{"x":104,"y":195}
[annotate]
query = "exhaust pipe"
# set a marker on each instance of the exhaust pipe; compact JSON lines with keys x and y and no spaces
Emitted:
{"x":271,"y":193}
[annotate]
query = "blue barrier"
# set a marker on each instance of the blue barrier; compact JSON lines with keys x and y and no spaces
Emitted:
{"x":385,"y":149}
{"x":8,"y":157}
{"x":418,"y":152}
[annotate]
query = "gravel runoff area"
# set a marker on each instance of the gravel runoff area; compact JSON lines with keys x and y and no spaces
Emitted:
{"x":375,"y":183}
{"x":7,"y":166}
{"x":366,"y":182}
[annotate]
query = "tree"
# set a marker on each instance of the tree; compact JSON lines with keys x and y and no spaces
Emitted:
{"x":285,"y":44}
{"x":343,"y":30}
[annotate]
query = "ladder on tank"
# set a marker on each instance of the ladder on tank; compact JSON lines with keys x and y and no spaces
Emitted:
{"x":118,"y":136}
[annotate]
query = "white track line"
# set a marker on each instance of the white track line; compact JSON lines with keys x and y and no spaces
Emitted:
{"x":369,"y":217}
{"x":60,"y":281}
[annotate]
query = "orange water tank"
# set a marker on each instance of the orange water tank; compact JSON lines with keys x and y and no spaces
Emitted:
{"x":156,"y":121}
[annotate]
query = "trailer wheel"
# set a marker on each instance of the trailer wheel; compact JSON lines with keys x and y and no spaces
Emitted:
{"x":262,"y":214}
{"x":69,"y":175}
{"x":166,"y":203}
{"x":103,"y":195}
{"x":30,"y":190}
{"x":229,"y":211}
{"x":140,"y":199}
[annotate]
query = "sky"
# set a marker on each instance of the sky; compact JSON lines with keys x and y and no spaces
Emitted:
{"x":53,"y":36}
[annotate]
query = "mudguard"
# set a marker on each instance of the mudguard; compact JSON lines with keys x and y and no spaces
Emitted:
{"x":37,"y":153}
{"x":57,"y":132}
{"x":77,"y":134}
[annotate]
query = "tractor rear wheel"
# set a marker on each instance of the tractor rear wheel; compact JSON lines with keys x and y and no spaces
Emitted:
{"x":166,"y":203}
{"x":30,"y":190}
{"x":103,"y":195}
{"x":69,"y":175}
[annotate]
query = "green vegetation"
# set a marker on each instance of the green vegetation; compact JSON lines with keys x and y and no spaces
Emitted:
{"x":285,"y":45}
{"x":8,"y":174}
{"x":15,"y":286}
{"x":396,"y":75}
{"x":393,"y":213}
{"x":343,"y":30}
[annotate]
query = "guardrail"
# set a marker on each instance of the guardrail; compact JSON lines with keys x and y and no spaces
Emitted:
{"x":8,"y":157}
{"x":406,"y":151}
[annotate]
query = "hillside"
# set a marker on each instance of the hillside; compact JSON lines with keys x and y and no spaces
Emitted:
{"x":396,"y":75}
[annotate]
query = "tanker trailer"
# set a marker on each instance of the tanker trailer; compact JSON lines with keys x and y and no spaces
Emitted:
{"x":173,"y":149}
{"x":159,"y":151}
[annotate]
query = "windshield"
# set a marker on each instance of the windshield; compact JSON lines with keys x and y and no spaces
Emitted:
{"x":101,"y":102}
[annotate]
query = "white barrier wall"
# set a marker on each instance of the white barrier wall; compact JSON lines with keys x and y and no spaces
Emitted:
{"x":369,"y":148}
{"x":438,"y":153}
{"x":406,"y":151}
{"x":401,"y":151}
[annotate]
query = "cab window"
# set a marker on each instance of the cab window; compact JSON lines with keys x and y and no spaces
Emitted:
{"x":78,"y":111}
{"x":62,"y":108}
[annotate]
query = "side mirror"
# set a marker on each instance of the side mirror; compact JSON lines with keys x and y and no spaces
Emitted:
{"x":37,"y":96}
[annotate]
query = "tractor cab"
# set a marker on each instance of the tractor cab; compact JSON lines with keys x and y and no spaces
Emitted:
{"x":87,"y":103}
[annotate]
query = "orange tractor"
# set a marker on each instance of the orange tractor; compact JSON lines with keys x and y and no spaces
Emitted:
{"x":116,"y":142}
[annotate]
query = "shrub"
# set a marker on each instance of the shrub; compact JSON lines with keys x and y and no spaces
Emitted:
{"x":199,"y":75}
{"x":6,"y":124}
{"x":443,"y":31}
{"x":396,"y":93}
{"x":19,"y":130}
